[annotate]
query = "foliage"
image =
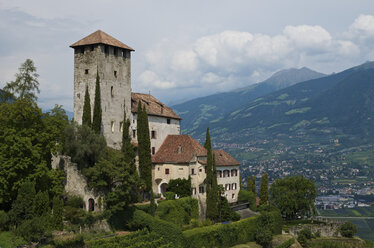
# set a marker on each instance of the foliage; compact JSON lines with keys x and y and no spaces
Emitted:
{"x":251,"y":184}
{"x":270,"y":220}
{"x":22,"y":207}
{"x":33,"y":229}
{"x":75,"y":201}
{"x":27,"y":139}
{"x":169,"y":195}
{"x":26,"y":83}
{"x":348,"y":229}
{"x":152,"y":205}
{"x":84,"y":146}
{"x":41,"y":204}
{"x":164,"y":229}
{"x":294,"y":196}
{"x":71,"y":242}
{"x":225,"y":212}
{"x":86,"y":117}
{"x":264,"y":237}
{"x":10,"y":240}
{"x":306,"y":232}
{"x":138,"y":239}
{"x":4,"y":219}
{"x":286,"y":244}
{"x":144,"y":148}
{"x":264,"y":190}
{"x":248,"y":196}
{"x":97,"y":112}
{"x":180,"y":186}
{"x":212,"y":196}
{"x":58,"y":208}
{"x":180,"y":211}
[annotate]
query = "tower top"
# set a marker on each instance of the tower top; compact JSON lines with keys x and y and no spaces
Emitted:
{"x":100,"y":37}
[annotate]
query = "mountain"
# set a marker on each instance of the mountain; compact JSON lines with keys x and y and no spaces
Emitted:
{"x":201,"y":112}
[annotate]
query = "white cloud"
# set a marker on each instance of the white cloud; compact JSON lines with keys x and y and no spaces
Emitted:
{"x":364,"y":23}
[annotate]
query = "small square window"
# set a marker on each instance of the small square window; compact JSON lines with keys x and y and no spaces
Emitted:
{"x":201,"y":190}
{"x":153,"y":134}
{"x":168,"y":120}
{"x":167,"y":171}
{"x":86,"y":71}
{"x":193,"y":171}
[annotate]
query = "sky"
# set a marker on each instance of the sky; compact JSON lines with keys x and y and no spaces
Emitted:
{"x":186,"y":48}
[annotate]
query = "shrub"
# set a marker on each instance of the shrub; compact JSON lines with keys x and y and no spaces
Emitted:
{"x":4,"y":219}
{"x":33,"y":229}
{"x":179,"y":211}
{"x":226,"y":213}
{"x":302,"y":240}
{"x":306,"y":232}
{"x":270,"y":220}
{"x":181,"y":187}
{"x":264,"y":237}
{"x":75,"y":201}
{"x":169,"y":195}
{"x":74,"y":242}
{"x":348,"y":229}
{"x":248,"y":196}
{"x":164,"y":229}
{"x":286,"y":244}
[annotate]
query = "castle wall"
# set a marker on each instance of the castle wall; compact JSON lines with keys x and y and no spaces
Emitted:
{"x":115,"y":85}
{"x":232,"y":193}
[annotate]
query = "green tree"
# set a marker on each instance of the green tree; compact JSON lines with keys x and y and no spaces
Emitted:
{"x":22,"y":207}
{"x":348,"y":229}
{"x":294,"y":196}
{"x":180,"y":186}
{"x":264,"y":190}
{"x":58,"y":208}
{"x":86,"y":117}
{"x":41,"y":204}
{"x":212,"y":199}
{"x":153,"y":206}
{"x":249,"y":183}
{"x":97,"y":112}
{"x":144,"y":148}
{"x":26,"y":83}
{"x":254,"y":191}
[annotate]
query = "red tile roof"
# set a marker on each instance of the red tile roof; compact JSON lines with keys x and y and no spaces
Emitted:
{"x":100,"y":37}
{"x":152,"y":105}
{"x":178,"y":149}
{"x":224,"y":159}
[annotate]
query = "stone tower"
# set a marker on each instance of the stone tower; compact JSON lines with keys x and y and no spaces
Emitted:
{"x":111,"y":59}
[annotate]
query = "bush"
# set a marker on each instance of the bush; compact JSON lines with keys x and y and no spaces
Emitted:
{"x":248,"y":196}
{"x":270,"y":220}
{"x":74,"y":242}
{"x":181,"y":187}
{"x":74,"y":201}
{"x":226,"y":213}
{"x":4,"y":219}
{"x":222,"y":235}
{"x":264,"y":237}
{"x":169,"y":195}
{"x":348,"y":229}
{"x":33,"y":230}
{"x":179,"y":212}
{"x":286,"y":244}
{"x":168,"y":231}
{"x":306,"y":232}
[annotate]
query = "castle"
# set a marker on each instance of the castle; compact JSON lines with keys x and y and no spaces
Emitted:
{"x":173,"y":155}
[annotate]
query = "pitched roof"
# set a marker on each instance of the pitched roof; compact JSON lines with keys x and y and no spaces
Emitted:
{"x":178,"y":149}
{"x":152,"y":106}
{"x":100,"y":37}
{"x":224,"y":159}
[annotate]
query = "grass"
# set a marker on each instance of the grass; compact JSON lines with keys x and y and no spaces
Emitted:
{"x":10,"y":240}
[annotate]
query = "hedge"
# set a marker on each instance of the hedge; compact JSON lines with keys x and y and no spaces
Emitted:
{"x":227,"y":235}
{"x":286,"y":244}
{"x":168,"y":231}
{"x":139,"y":239}
{"x":179,"y":212}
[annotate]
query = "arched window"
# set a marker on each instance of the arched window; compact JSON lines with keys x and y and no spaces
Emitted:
{"x":91,"y":204}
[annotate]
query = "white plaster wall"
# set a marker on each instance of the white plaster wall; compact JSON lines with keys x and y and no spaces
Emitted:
{"x":175,"y":171}
{"x":229,"y":180}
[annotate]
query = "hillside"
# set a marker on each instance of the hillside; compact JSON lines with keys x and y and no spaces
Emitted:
{"x":199,"y":113}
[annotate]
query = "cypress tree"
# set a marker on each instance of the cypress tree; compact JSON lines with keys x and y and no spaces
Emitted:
{"x":264,"y":191}
{"x":254,"y":185}
{"x":144,"y":148}
{"x":211,"y":182}
{"x":96,"y":123}
{"x":58,"y":209}
{"x":249,"y":183}
{"x":86,"y":118}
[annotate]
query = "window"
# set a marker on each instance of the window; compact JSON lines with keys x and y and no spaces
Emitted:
{"x":219,"y":173}
{"x":115,"y":51}
{"x":115,"y":74}
{"x":106,"y":49}
{"x":193,"y":171}
{"x":205,"y":169}
{"x":194,"y":191}
{"x":111,"y":91}
{"x":82,"y":49}
{"x":227,"y":173}
{"x":201,"y":190}
{"x":227,"y":187}
{"x":92,"y":47}
{"x":134,"y":133}
{"x":167,"y":171}
{"x":153,"y":150}
{"x":91,"y":205}
{"x":233,"y":196}
{"x":121,"y":126}
{"x":86,"y":71}
{"x":200,"y":170}
{"x":168,"y":120}
{"x":112,"y":125}
{"x":233,"y":186}
{"x":153,"y":134}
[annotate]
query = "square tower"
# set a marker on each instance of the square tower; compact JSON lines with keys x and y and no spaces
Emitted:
{"x":111,"y":59}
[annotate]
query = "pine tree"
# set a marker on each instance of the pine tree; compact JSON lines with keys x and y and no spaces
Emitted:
{"x":41,"y":204}
{"x":211,"y":182}
{"x":144,"y":148}
{"x":96,"y":123}
{"x":86,"y":118}
{"x":264,"y":191}
{"x":254,"y":185}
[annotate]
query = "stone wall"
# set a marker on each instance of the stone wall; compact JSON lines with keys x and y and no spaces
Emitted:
{"x":326,"y":229}
{"x":76,"y":183}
